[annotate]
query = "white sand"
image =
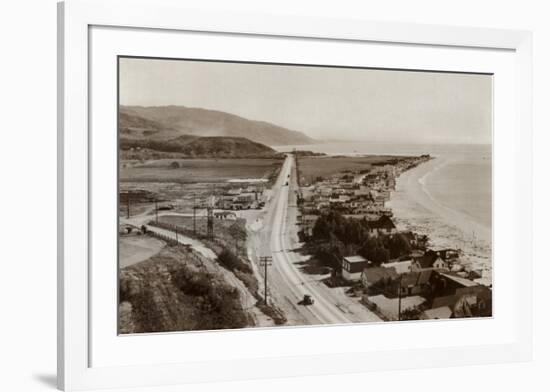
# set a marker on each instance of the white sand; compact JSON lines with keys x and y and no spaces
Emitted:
{"x":415,"y":209}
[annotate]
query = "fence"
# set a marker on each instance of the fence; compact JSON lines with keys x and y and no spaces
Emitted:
{"x":214,"y":244}
{"x":164,"y":237}
{"x":197,"y":257}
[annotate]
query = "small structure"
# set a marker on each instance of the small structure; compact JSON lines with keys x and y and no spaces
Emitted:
{"x":429,"y":260}
{"x":414,"y":283}
{"x":353,"y":266}
{"x":458,"y":282}
{"x":383,"y":226}
{"x":472,"y":301}
{"x":447,"y":254}
{"x":225,"y":215}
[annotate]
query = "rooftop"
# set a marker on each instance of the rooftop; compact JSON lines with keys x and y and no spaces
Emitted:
{"x":355,"y":259}
{"x":462,"y":281}
{"x":401,"y":267}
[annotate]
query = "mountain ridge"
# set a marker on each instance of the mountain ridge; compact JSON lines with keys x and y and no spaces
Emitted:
{"x":207,"y":122}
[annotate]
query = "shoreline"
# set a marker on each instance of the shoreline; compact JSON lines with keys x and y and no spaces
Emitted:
{"x":416,"y":209}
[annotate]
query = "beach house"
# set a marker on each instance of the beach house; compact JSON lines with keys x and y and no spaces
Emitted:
{"x":382,"y":226}
{"x":430,"y":259}
{"x":353,"y":266}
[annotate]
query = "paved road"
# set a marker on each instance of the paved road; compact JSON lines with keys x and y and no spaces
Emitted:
{"x":287,"y":283}
{"x":277,"y":236}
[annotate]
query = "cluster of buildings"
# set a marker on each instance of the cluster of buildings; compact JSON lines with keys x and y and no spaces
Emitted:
{"x":433,"y":282}
{"x":360,"y":194}
{"x":442,"y":288}
{"x":354,"y":194}
{"x":241,"y":198}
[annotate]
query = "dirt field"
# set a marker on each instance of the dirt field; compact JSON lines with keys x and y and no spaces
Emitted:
{"x":137,"y":248}
{"x":199,"y":170}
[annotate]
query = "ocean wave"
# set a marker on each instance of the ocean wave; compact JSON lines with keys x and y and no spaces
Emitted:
{"x":415,"y":208}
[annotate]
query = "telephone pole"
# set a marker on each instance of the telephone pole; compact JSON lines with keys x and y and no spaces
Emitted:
{"x":128,"y":205}
{"x":399,"y":296}
{"x":265,"y":261}
{"x":156,"y":211}
{"x":209,"y":223}
{"x":194,"y":215}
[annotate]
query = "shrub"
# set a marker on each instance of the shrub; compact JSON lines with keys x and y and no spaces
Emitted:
{"x":232,"y":262}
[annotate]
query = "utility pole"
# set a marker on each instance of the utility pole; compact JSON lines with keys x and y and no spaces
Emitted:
{"x":209,"y":223}
{"x":176,"y":234}
{"x":156,"y":211}
{"x":265,"y":261}
{"x":128,"y":205}
{"x":194,"y":215}
{"x":399,"y":295}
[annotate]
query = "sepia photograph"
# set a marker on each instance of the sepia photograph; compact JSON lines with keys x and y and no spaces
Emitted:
{"x":265,"y":195}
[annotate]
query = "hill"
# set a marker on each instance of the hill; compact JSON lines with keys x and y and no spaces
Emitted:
{"x":226,"y":147}
{"x":174,"y":291}
{"x":196,"y":147}
{"x":203,"y":122}
{"x":135,"y":127}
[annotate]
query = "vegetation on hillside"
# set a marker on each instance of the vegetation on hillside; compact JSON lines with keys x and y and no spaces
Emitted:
{"x":172,"y":292}
{"x":199,"y":147}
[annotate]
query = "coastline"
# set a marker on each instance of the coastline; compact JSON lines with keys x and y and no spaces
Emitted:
{"x":416,"y":209}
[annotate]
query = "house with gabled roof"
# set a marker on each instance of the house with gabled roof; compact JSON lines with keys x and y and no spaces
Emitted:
{"x":471,"y":301}
{"x":378,"y":276}
{"x":414,"y":283}
{"x":382,"y":226}
{"x":429,"y":259}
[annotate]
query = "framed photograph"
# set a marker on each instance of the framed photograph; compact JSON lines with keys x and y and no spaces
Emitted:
{"x":250,"y":196}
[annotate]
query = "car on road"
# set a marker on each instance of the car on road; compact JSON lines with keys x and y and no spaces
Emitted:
{"x":166,"y":207}
{"x":307,"y":300}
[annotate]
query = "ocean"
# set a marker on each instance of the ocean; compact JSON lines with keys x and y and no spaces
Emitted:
{"x":448,"y":198}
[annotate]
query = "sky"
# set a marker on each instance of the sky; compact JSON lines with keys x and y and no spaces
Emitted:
{"x":324,"y":103}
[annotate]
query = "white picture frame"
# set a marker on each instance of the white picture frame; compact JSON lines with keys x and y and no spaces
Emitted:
{"x":77,"y":370}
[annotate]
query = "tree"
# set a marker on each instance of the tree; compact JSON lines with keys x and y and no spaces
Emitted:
{"x":411,"y":314}
{"x":347,"y":230}
{"x":238,"y":233}
{"x":373,"y":249}
{"x":398,"y":246}
{"x":321,"y":230}
{"x":232,"y":262}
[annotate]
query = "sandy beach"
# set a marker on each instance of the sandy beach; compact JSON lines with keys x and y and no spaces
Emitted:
{"x":416,"y":209}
